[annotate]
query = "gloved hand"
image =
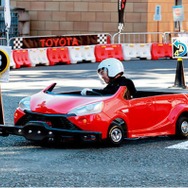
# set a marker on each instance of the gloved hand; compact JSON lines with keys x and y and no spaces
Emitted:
{"x":84,"y":91}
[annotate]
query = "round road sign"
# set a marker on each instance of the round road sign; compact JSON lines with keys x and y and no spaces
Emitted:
{"x":4,"y":61}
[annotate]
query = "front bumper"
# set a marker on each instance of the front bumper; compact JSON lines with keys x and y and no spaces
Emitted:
{"x":40,"y":131}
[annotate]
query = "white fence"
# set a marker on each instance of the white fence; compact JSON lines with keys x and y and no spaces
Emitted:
{"x":143,"y":37}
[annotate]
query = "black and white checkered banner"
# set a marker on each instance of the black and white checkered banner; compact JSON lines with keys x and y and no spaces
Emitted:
{"x":102,"y":39}
{"x":18,"y":43}
{"x":58,"y":41}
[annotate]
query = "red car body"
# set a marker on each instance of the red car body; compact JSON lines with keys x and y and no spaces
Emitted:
{"x":148,"y":113}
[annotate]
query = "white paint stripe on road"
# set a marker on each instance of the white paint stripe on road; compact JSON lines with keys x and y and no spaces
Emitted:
{"x":18,"y":148}
{"x":8,"y":153}
{"x":182,"y":145}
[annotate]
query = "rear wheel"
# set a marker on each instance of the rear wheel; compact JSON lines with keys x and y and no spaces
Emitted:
{"x":182,"y":127}
{"x":116,"y":135}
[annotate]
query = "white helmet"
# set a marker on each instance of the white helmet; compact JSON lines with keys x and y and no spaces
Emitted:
{"x":114,"y":67}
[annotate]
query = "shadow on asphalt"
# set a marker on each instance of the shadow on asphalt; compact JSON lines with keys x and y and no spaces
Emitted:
{"x":140,"y":142}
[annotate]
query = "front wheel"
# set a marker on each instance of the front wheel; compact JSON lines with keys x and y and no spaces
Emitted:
{"x":182,"y":127}
{"x":116,"y":135}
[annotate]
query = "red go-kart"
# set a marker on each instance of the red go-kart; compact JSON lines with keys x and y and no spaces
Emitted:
{"x":47,"y":115}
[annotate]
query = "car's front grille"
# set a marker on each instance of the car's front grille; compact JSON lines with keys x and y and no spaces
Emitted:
{"x":53,"y":120}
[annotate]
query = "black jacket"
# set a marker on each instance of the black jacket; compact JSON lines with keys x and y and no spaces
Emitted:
{"x":114,"y":85}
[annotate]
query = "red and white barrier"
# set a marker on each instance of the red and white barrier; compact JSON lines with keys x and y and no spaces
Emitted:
{"x":144,"y":50}
{"x":129,"y":51}
{"x":75,"y":54}
{"x":90,"y":53}
{"x":139,"y":50}
{"x":82,"y":53}
{"x":108,"y":51}
{"x":168,"y":50}
{"x":160,"y":50}
{"x":38,"y":56}
{"x":21,"y":58}
{"x":58,"y":55}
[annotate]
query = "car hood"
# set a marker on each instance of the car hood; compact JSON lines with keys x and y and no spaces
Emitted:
{"x":59,"y":103}
{"x":49,"y":102}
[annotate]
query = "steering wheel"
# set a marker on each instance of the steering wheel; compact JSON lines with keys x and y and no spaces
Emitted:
{"x":94,"y":93}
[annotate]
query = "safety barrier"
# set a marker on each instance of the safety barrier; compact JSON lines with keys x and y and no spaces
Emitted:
{"x":132,"y":51}
{"x":21,"y":58}
{"x":38,"y":56}
{"x":144,"y":51}
{"x":89,"y":53}
{"x":107,"y":51}
{"x":58,"y":55}
{"x":75,"y":54}
{"x":168,"y":50}
{"x":160,"y":50}
{"x":129,"y":51}
{"x":157,"y":51}
{"x":12,"y":63}
{"x":149,"y":45}
{"x":82,"y":53}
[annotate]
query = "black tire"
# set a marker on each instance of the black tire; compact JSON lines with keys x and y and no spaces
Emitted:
{"x":182,"y":127}
{"x":116,"y":135}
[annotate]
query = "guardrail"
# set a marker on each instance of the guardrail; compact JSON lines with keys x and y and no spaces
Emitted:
{"x":169,"y":35}
{"x":144,"y":37}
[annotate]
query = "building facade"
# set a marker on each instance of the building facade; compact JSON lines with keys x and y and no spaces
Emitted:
{"x":60,"y":17}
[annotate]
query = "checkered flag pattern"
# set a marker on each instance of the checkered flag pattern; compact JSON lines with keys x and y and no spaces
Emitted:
{"x":18,"y":43}
{"x":102,"y":38}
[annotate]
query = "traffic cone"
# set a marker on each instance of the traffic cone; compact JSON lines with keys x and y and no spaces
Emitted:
{"x":179,"y":78}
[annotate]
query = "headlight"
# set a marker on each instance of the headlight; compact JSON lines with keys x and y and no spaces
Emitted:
{"x":88,"y":109}
{"x":24,"y":104}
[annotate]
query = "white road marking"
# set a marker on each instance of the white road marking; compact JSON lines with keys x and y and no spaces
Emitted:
{"x":8,"y":153}
{"x":182,"y":145}
{"x":15,"y":150}
{"x":18,"y":148}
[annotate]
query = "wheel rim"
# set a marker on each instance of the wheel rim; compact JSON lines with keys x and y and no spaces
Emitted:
{"x":184,"y":127}
{"x":116,"y":135}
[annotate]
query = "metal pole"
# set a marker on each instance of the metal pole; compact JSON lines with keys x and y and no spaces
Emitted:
{"x":7,"y":34}
{"x":1,"y":108}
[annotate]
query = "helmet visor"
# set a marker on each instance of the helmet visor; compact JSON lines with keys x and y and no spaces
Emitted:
{"x":101,"y":72}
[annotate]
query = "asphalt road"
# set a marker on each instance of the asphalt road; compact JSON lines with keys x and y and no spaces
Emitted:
{"x":146,"y":162}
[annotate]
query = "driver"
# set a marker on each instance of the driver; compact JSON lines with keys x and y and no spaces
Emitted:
{"x":111,"y":71}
